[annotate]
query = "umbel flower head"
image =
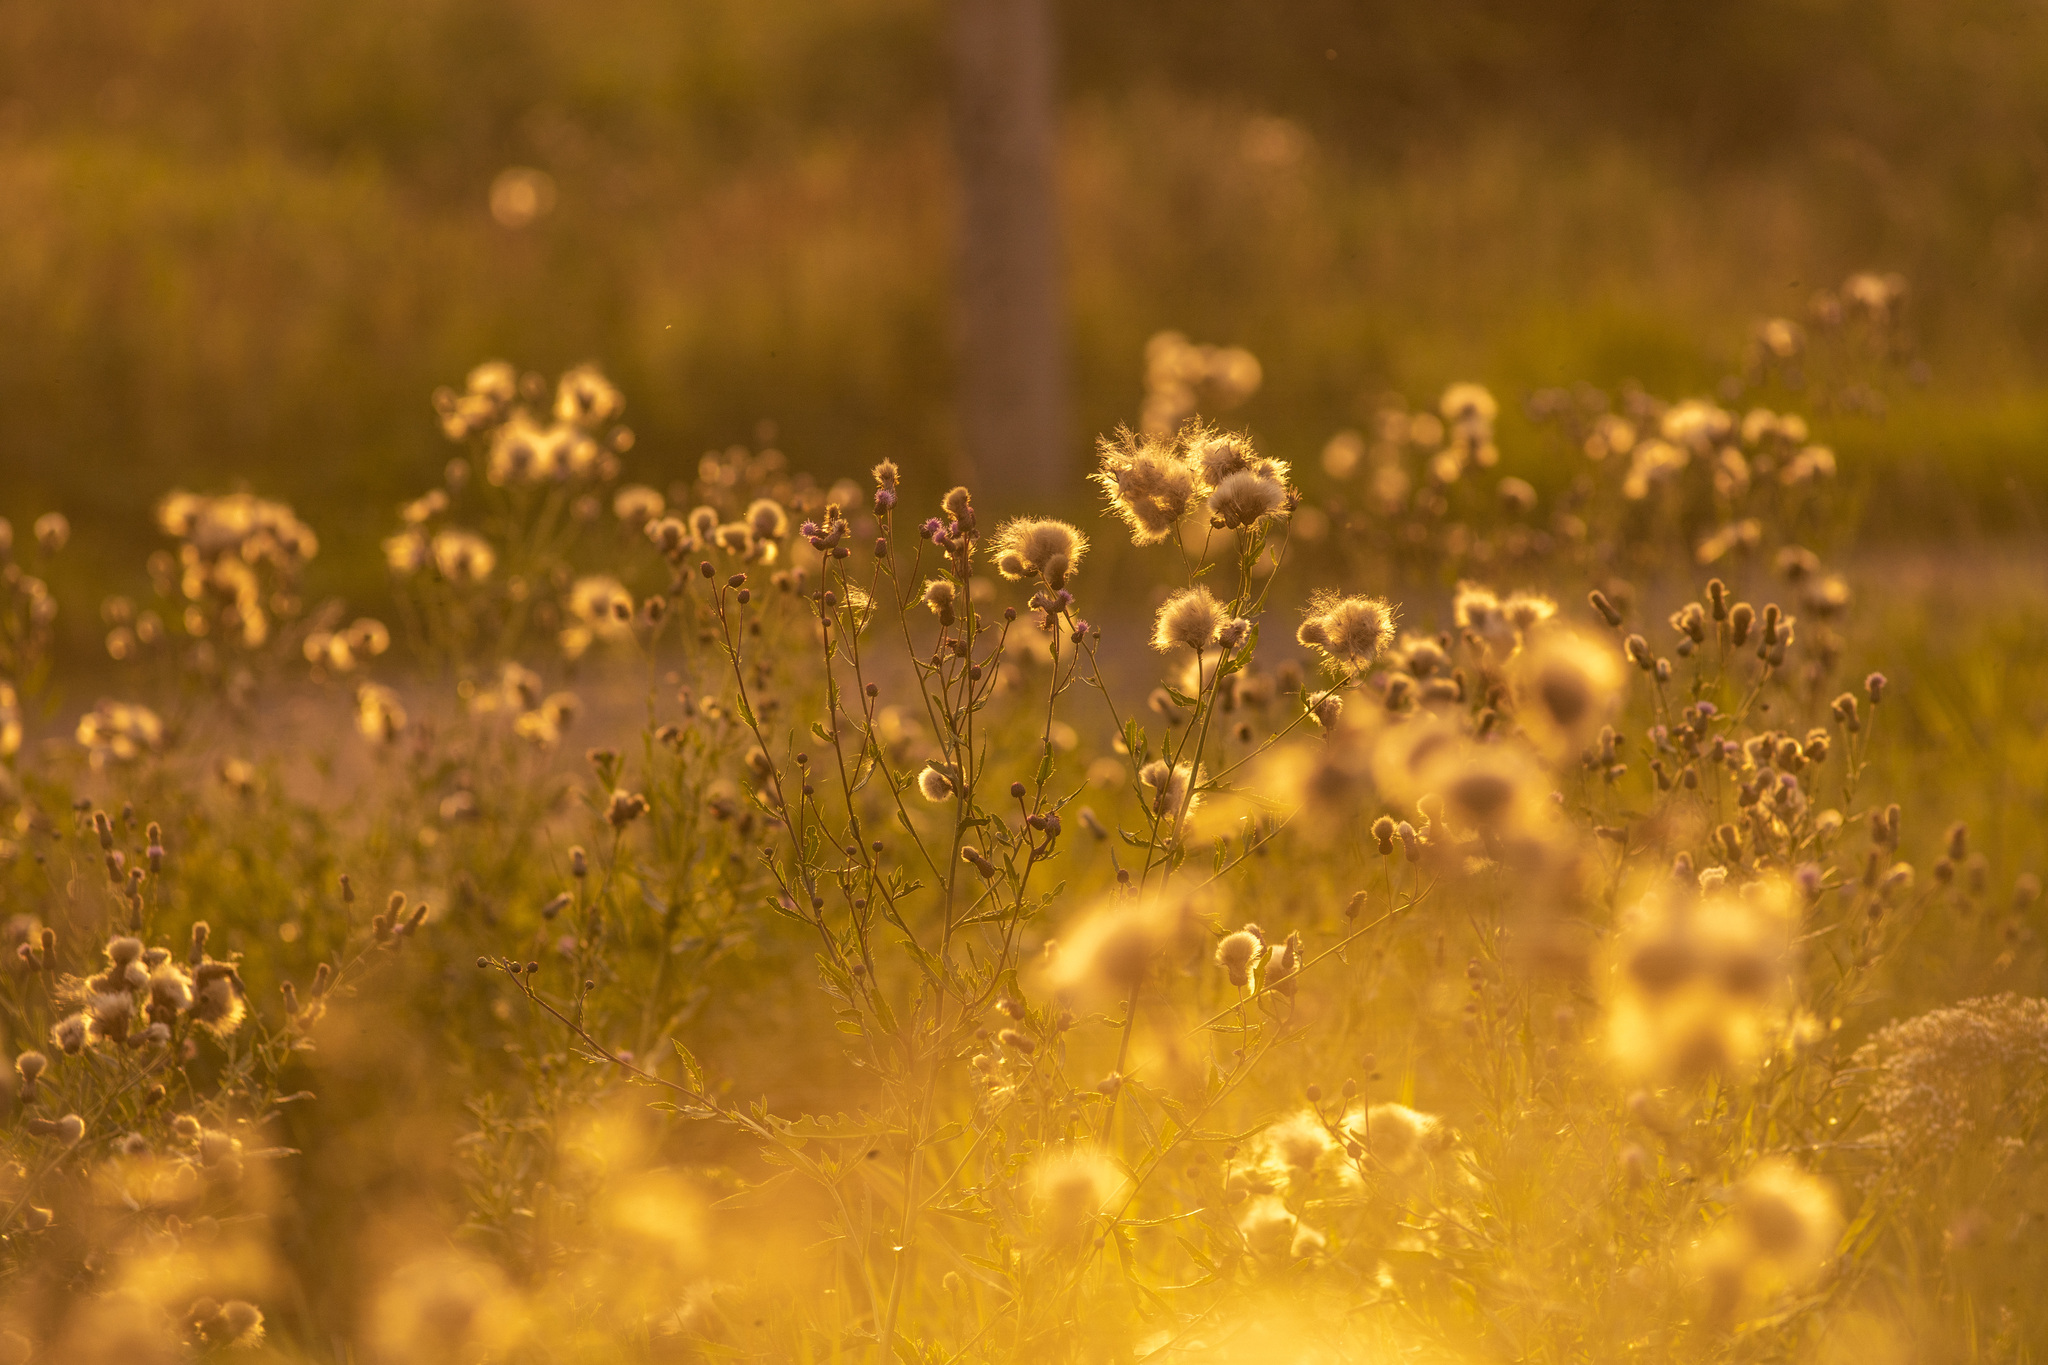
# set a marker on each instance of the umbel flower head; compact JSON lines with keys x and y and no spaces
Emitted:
{"x":1348,"y":631}
{"x":1050,"y":549}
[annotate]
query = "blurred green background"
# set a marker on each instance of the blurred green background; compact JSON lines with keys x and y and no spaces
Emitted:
{"x":243,"y":240}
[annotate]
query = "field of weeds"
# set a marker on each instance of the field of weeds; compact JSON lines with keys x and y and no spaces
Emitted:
{"x":1376,"y":910}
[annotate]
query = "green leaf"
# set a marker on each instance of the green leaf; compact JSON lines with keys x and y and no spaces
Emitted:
{"x":691,"y":1066}
{"x":740,"y":1197}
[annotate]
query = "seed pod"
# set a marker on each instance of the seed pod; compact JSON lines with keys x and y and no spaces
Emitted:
{"x":1740,"y":618}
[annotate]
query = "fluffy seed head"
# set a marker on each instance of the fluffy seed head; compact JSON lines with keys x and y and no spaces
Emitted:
{"x":940,"y":595}
{"x":1250,"y":495}
{"x":1149,"y":484}
{"x":1236,"y":955}
{"x":1218,"y":454}
{"x":1190,"y":619}
{"x":1394,"y":1136}
{"x":71,"y":1033}
{"x":766,"y":520}
{"x":934,"y":782}
{"x":1027,"y":547}
{"x":1348,"y":631}
{"x":1167,"y":788}
{"x":1070,"y":1186}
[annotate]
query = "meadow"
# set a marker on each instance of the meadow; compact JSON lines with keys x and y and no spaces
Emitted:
{"x":550,"y":814}
{"x":1367,"y":910}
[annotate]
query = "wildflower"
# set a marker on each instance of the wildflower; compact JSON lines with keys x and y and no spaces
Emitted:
{"x":936,"y":780}
{"x":1782,"y":1232}
{"x":1149,"y":483}
{"x":1696,"y":425}
{"x":1024,"y":548}
{"x":495,"y":380}
{"x":462,"y":556}
{"x":52,"y":532}
{"x":1272,"y":1233}
{"x":71,"y":1034}
{"x":1169,"y":788}
{"x":736,"y":538}
{"x":1469,"y":410}
{"x":1297,"y":1144}
{"x":587,"y":399}
{"x":1809,"y":466}
{"x":636,"y":504}
{"x":446,"y":1305}
{"x":235,"y":1324}
{"x":1396,"y":1138}
{"x":624,"y":808}
{"x":885,"y":476}
{"x":1285,"y":964}
{"x":1349,"y":632}
{"x":1527,"y":610}
{"x":1249,"y":496}
{"x":379,"y":715}
{"x":766,"y":520}
{"x":1611,"y":435}
{"x":603,"y":610}
{"x":1485,"y":789}
{"x":1190,"y":619}
{"x":10,"y":719}
{"x":119,"y":732}
{"x":1650,"y":465}
{"x":1566,"y":688}
{"x":406,"y":553}
{"x":1966,"y":1074}
{"x":1477,"y":610}
{"x":1238,"y":955}
{"x":703,"y":523}
{"x":218,"y":997}
{"x":1468,"y":404}
{"x":1698,"y":985}
{"x":1070,"y":1187}
{"x":521,"y":451}
{"x":1109,"y":951}
{"x":170,"y":993}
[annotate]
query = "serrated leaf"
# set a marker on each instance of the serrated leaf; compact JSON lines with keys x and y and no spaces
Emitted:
{"x":739,"y":1197}
{"x":945,"y":1134}
{"x":691,"y":1065}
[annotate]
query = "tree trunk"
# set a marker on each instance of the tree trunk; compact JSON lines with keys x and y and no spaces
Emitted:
{"x":1010,"y":327}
